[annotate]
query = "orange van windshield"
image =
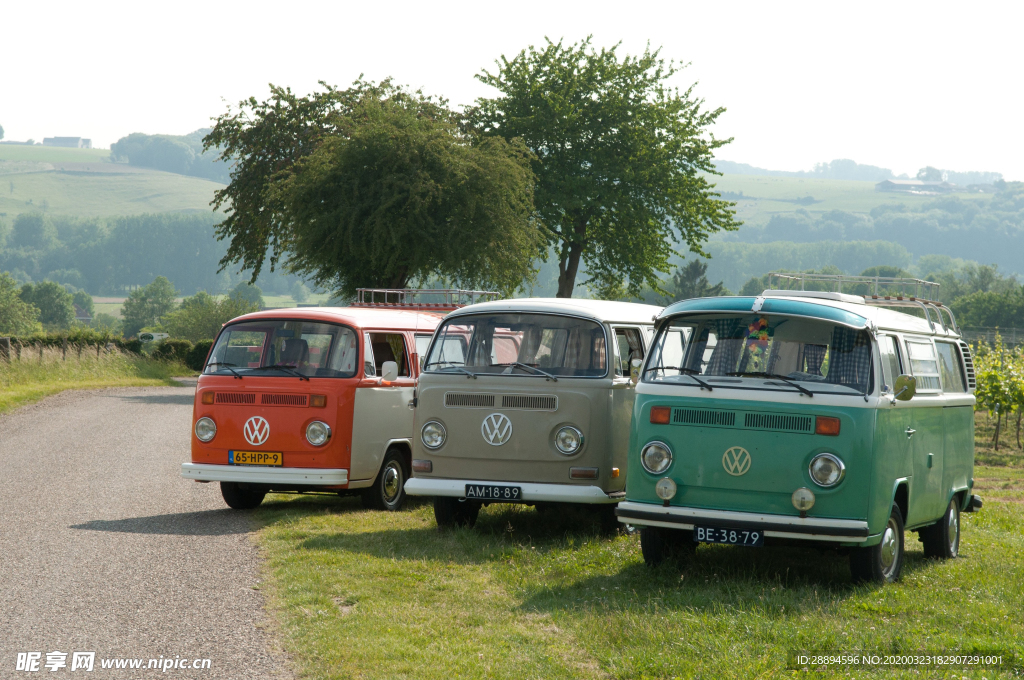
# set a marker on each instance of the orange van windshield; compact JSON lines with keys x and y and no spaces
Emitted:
{"x":280,"y":347}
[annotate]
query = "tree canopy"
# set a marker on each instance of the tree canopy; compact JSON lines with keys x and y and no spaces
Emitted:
{"x":145,"y":305}
{"x":17,"y":317}
{"x":373,"y":186}
{"x":201,"y":316}
{"x":621,"y":159}
{"x":54,"y":302}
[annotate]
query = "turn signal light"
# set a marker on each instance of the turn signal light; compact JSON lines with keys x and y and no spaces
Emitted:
{"x":615,"y":472}
{"x":208,"y":397}
{"x":826,"y":425}
{"x":318,"y":401}
{"x":583,"y":473}
{"x":422,"y":466}
{"x":661,"y":415}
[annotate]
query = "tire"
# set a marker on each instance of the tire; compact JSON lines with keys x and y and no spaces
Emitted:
{"x":942,"y":539}
{"x":881,"y":563}
{"x":239,"y":498}
{"x":388,"y":489}
{"x":451,"y":513}
{"x":607,"y":521}
{"x":658,"y":545}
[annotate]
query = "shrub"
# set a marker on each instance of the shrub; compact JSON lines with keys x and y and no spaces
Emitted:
{"x":197,"y":356}
{"x":173,"y":350}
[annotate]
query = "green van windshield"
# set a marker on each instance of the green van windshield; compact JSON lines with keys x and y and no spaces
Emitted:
{"x":739,"y":351}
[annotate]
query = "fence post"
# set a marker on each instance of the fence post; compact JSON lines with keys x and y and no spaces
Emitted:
{"x":5,"y":350}
{"x":64,"y":349}
{"x":17,"y":350}
{"x":40,"y":352}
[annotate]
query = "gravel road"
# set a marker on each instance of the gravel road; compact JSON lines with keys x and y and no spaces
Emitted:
{"x":104,"y":548}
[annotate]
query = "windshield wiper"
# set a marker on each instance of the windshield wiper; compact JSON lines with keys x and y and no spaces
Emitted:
{"x":761,"y":374}
{"x":685,"y":370}
{"x":520,"y":364}
{"x":227,"y":366}
{"x":450,"y":364}
{"x":281,"y":367}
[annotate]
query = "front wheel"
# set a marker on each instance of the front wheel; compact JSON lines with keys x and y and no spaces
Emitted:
{"x":942,"y":539}
{"x":452,"y":512}
{"x":388,"y":489}
{"x":240,"y":499}
{"x":658,"y":544}
{"x":881,"y":563}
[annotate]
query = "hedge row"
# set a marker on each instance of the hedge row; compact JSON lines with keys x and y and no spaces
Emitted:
{"x":193,"y":356}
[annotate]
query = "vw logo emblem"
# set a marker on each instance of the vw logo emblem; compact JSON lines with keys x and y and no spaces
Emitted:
{"x":256,"y":430}
{"x":496,"y":429}
{"x":736,"y":461}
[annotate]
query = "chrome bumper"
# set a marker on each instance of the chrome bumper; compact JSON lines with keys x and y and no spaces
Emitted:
{"x":780,"y":526}
{"x":264,"y":475}
{"x":531,"y":492}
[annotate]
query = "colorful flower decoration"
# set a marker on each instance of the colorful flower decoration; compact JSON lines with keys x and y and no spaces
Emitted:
{"x":757,"y":337}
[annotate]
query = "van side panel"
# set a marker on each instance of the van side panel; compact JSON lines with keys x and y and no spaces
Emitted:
{"x":959,"y":464}
{"x":892,"y":460}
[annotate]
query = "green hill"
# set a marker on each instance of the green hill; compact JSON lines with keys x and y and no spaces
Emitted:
{"x":84,"y":183}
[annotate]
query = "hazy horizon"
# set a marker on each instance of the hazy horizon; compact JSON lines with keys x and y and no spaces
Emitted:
{"x":897,"y":86}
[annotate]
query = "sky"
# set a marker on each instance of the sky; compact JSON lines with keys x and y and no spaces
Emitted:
{"x":898,"y":84}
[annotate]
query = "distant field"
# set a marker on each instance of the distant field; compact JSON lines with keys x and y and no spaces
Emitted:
{"x":96,"y":194}
{"x":764,"y":196}
{"x":51,"y":154}
{"x":112,"y":306}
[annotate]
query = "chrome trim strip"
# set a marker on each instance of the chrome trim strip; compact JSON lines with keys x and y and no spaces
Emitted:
{"x":531,"y":491}
{"x":264,"y":475}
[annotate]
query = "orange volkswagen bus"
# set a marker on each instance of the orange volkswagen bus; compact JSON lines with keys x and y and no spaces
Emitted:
{"x":316,"y":399}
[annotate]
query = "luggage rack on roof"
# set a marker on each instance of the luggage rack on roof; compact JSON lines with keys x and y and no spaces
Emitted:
{"x":879,"y":291}
{"x":439,"y":299}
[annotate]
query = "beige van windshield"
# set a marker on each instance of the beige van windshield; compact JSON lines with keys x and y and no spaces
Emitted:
{"x":521,"y":345}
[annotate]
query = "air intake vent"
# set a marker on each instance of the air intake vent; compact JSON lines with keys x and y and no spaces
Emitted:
{"x":236,"y":398}
{"x":965,"y":350}
{"x":284,"y":399}
{"x":773,"y":421}
{"x":691,"y":416}
{"x":530,"y":402}
{"x":456,"y":400}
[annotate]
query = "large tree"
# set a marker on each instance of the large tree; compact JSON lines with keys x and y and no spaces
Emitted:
{"x":373,"y":186}
{"x":17,"y":317}
{"x":621,"y":159}
{"x":145,"y":305}
{"x":54,"y":302}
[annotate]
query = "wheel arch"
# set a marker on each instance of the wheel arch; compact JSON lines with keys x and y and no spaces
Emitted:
{"x":901,"y":497}
{"x":404,"y":445}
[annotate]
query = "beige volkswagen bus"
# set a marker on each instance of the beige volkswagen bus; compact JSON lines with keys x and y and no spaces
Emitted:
{"x":527,"y":401}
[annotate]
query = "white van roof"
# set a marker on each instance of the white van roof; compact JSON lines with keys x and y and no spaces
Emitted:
{"x":886,"y":318}
{"x":607,"y":311}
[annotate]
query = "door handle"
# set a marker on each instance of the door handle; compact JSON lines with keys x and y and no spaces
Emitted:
{"x":910,"y":432}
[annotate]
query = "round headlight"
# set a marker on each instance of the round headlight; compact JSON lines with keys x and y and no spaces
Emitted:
{"x":206,"y":429}
{"x":803,"y":499}
{"x":656,"y":457}
{"x":568,"y":440}
{"x":318,"y":433}
{"x":433,"y":434}
{"x":827,"y":470}
{"x":665,"y":488}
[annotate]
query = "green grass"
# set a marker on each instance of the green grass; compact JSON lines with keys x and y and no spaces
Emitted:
{"x":765,"y":196}
{"x":28,"y":380}
{"x":100,"y":194}
{"x":52,"y":154}
{"x":374,"y":595}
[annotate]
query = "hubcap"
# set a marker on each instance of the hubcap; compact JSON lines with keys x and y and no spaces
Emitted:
{"x":890,"y":546}
{"x":953,"y":530}
{"x":392,"y":482}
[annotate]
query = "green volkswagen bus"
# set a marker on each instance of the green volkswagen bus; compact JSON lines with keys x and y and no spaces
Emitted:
{"x":805,"y":417}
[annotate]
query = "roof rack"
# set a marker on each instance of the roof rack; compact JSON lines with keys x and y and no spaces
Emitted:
{"x":880,"y":291}
{"x":438,"y":299}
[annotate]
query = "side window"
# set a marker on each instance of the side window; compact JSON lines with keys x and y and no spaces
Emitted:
{"x":422,"y":345}
{"x":389,"y":347}
{"x":950,"y":368}
{"x":629,"y":346}
{"x":892,"y":368}
{"x":368,"y":363}
{"x":924,"y":364}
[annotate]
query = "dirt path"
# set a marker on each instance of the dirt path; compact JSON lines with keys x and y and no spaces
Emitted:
{"x":105,"y":549}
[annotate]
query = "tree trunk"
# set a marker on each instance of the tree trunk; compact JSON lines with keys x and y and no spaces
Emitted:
{"x":569,"y":265}
{"x":999,"y":419}
{"x":1019,"y":414}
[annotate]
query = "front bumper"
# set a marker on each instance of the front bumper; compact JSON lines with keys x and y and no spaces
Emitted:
{"x":531,"y":492}
{"x":780,"y":526}
{"x":265,"y":475}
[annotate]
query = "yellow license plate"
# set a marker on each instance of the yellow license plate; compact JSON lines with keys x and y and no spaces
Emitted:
{"x":255,"y":458}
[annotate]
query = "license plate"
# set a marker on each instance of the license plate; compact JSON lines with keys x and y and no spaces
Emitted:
{"x":490,"y":492}
{"x":745,"y":537}
{"x":271,"y":458}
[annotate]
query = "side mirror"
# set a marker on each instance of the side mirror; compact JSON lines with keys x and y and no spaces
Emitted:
{"x":389,"y":371}
{"x":634,"y":370}
{"x":905,"y":387}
